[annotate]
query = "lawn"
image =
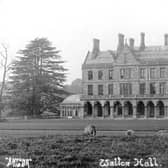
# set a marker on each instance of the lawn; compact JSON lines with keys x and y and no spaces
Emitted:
{"x":60,"y":151}
{"x":77,"y":124}
{"x":60,"y":144}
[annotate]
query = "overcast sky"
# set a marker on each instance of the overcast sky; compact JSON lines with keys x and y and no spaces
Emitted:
{"x":72,"y":24}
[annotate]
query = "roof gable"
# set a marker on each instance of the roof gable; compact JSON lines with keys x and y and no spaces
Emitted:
{"x":126,"y":57}
{"x":101,"y":57}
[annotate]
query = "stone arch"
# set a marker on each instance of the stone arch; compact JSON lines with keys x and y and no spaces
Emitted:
{"x":160,"y":109}
{"x":98,"y":109}
{"x":88,"y":109}
{"x":118,"y":109}
{"x":140,"y":109}
{"x":128,"y":109}
{"x":150,"y":109}
{"x":107,"y":109}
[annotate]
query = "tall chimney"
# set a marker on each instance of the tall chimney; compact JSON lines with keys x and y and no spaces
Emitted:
{"x":131,"y":43}
{"x":96,"y":48}
{"x":96,"y":45}
{"x":120,"y":42}
{"x":142,"y":45}
{"x":166,"y":39}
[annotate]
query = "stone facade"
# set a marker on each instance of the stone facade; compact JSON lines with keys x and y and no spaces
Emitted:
{"x":130,"y":82}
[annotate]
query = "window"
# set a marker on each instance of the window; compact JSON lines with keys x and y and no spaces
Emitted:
{"x":121,"y":88}
{"x":122,"y":73}
{"x":90,"y":75}
{"x":125,"y":73}
{"x":90,"y":89}
{"x":100,"y":89}
{"x":100,"y":75}
{"x":125,"y":89}
{"x":128,"y":73}
{"x":110,"y":89}
{"x":129,"y":88}
{"x":142,"y":73}
{"x":152,"y":73}
{"x":152,"y":88}
{"x":162,"y":88}
{"x":110,"y":74}
{"x":162,"y":72}
{"x":142,"y":88}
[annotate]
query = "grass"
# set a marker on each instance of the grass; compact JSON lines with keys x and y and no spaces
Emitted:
{"x":73,"y":151}
{"x":65,"y":151}
{"x":101,"y":125}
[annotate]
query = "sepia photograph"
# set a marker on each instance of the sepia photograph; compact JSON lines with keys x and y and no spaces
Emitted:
{"x":83,"y":84}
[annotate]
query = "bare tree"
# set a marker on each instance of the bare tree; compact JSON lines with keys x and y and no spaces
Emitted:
{"x":5,"y":67}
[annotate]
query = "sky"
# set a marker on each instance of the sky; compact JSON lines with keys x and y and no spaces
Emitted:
{"x":71,"y":25}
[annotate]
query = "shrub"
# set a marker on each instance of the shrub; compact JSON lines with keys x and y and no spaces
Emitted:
{"x":129,"y":133}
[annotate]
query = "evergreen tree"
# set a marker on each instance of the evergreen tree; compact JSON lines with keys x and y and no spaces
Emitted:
{"x":37,"y":78}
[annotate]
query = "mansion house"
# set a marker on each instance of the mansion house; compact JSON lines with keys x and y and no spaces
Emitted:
{"x":130,"y":82}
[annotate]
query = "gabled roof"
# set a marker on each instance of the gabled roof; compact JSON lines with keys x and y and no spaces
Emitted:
{"x":150,"y":55}
{"x":101,"y":57}
{"x":126,"y":57}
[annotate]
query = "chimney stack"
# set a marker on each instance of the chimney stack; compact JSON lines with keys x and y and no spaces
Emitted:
{"x":96,"y":47}
{"x":166,"y":39}
{"x":131,"y":43}
{"x":96,"y":44}
{"x":120,"y":42}
{"x":142,"y":45}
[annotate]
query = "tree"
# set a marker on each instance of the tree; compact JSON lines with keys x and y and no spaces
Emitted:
{"x":75,"y":87}
{"x":5,"y":67}
{"x":37,"y":78}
